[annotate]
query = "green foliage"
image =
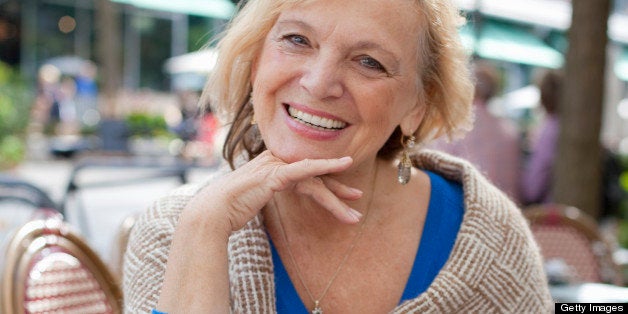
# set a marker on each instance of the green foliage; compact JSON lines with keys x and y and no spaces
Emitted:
{"x":147,"y":125}
{"x":15,"y":105}
{"x":622,"y":232}
{"x":12,"y":151}
{"x":623,"y":180}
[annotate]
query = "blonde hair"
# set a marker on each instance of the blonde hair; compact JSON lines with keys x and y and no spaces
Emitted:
{"x":447,"y":87}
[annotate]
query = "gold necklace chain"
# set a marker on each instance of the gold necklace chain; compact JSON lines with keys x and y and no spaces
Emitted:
{"x":317,"y":309}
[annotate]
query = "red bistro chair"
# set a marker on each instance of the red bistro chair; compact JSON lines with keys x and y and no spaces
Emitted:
{"x":567,"y":234}
{"x":50,"y":269}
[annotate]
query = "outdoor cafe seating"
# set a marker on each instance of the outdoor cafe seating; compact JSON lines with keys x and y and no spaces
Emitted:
{"x":578,"y":260}
{"x":49,"y":264}
{"x":48,"y":267}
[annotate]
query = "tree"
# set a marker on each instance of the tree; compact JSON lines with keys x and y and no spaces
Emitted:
{"x":108,"y":45}
{"x":578,"y":165}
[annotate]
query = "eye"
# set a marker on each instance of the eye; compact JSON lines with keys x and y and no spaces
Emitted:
{"x":371,"y":63}
{"x":296,"y":39}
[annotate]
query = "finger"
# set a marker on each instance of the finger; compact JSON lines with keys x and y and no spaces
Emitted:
{"x":341,"y":190}
{"x":316,"y":189}
{"x":298,"y":171}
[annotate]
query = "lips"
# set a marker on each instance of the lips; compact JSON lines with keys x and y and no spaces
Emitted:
{"x":316,"y":121}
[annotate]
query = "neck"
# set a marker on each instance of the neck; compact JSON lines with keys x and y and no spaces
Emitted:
{"x":301,"y":212}
{"x":303,"y":217}
{"x":360,"y":176}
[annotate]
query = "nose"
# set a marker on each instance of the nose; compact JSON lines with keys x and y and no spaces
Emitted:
{"x":322,"y":77}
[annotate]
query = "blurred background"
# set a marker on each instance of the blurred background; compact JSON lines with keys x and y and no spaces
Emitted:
{"x":98,"y":104}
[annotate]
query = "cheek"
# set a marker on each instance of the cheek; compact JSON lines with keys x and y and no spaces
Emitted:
{"x":273,"y":71}
{"x":383,"y":107}
{"x":272,"y":74}
{"x":407,"y":99}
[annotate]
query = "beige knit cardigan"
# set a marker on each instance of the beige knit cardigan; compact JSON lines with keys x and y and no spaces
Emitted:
{"x":495,"y":265}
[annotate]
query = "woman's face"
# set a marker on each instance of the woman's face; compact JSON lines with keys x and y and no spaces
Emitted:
{"x":334,"y":78}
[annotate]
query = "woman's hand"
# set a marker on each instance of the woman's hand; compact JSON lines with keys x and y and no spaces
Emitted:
{"x":197,"y":279}
{"x":240,"y":195}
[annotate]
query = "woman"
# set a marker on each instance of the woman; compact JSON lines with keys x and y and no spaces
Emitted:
{"x":323,"y":97}
{"x":536,"y":185}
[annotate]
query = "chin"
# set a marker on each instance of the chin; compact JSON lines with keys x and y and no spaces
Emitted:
{"x":290,"y":153}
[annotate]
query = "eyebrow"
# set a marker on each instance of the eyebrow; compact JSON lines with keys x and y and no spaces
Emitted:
{"x":297,"y":22}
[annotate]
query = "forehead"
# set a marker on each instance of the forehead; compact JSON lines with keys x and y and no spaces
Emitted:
{"x":384,"y":21}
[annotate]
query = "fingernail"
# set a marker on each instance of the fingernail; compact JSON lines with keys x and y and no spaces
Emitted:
{"x":355,"y":214}
{"x":356,"y":191}
{"x":345,"y":159}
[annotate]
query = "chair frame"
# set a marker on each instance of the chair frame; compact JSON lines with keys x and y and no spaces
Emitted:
{"x":20,"y":190}
{"x":158,"y":167}
{"x":560,"y":214}
{"x":39,"y":235}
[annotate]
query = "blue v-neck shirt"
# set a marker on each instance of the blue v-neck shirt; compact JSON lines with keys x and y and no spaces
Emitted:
{"x":444,"y":216}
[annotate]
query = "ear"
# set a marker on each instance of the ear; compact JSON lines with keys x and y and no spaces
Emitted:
{"x":413,"y":118}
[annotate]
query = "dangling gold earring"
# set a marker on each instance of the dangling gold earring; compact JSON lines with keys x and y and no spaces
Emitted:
{"x":404,"y":169}
{"x":253,"y":122}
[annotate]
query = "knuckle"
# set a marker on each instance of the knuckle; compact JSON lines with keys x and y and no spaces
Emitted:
{"x":275,"y":179}
{"x":318,"y":181}
{"x":307,"y":163}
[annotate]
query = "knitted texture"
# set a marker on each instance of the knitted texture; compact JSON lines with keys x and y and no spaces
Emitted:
{"x":494,"y":267}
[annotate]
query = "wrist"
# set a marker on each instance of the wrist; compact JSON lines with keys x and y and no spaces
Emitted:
{"x":205,"y":218}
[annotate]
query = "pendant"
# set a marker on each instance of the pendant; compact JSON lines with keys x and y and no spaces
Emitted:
{"x":317,"y":309}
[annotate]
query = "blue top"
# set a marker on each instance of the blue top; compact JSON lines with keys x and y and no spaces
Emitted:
{"x":444,"y":216}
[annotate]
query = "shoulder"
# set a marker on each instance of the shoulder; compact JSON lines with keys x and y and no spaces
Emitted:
{"x":494,"y":251}
{"x":478,"y":190}
{"x":485,"y":205}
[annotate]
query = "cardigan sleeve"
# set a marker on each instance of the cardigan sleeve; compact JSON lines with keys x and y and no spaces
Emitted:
{"x":147,"y":251}
{"x":521,"y":269}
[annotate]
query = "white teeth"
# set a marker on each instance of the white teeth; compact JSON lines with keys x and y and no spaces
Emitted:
{"x":316,"y":121}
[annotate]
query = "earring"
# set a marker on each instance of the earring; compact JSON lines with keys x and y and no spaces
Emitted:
{"x":253,"y":122}
{"x":404,"y":169}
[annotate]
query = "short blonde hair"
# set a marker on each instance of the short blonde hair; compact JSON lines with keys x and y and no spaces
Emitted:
{"x":447,"y":87}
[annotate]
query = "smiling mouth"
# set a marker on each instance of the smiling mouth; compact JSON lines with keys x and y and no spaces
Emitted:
{"x":316,"y":121}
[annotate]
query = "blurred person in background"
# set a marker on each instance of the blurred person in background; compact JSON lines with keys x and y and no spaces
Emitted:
{"x":329,"y":206}
{"x":537,"y":178}
{"x":87,"y":95}
{"x":188,"y":128}
{"x":67,"y":111}
{"x":198,"y":130}
{"x":45,"y":110}
{"x":493,"y":145}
